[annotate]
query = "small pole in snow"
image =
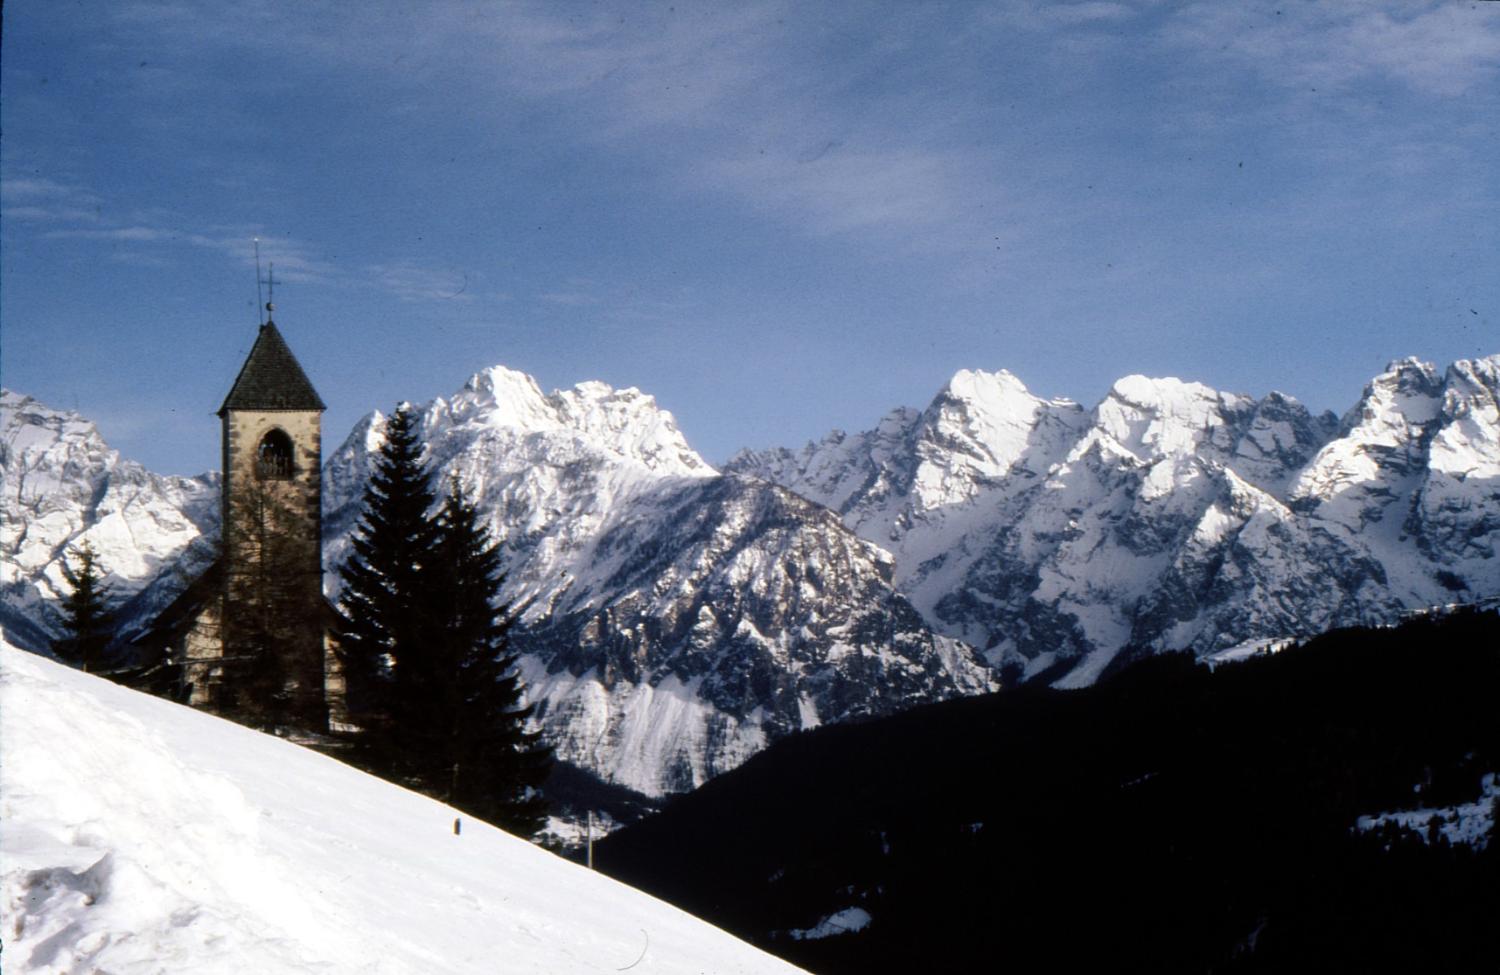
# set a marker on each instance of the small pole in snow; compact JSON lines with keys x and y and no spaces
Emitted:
{"x":457,"y":825}
{"x":590,"y":854}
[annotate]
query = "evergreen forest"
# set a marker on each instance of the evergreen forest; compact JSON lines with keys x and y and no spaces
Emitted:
{"x":1172,"y":818}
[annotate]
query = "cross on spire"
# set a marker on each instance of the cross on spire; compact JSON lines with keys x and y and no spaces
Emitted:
{"x":270,"y":283}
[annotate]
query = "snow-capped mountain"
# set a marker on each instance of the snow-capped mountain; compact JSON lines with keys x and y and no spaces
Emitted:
{"x":142,"y":836}
{"x":61,"y":487}
{"x":675,"y":620}
{"x":1170,"y":515}
{"x":678,"y":618}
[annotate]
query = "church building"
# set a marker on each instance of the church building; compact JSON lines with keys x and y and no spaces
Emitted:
{"x":263,"y":595}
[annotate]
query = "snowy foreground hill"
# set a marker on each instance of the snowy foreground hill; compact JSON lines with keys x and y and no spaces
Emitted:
{"x":141,"y":836}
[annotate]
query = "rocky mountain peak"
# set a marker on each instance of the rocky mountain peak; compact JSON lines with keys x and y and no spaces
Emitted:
{"x":1396,"y":403}
{"x":1154,"y":418}
{"x":987,"y":391}
{"x":1471,"y":388}
{"x":1280,"y":438}
{"x":1458,"y":514}
{"x":503,"y":397}
{"x":1383,"y":437}
{"x":979,"y":426}
{"x":1410,"y":373}
{"x":624,"y":424}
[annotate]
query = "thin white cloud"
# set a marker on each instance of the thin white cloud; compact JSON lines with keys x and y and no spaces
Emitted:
{"x":49,"y":214}
{"x":647,"y":67}
{"x":746,"y":105}
{"x":39,"y":200}
{"x":139,"y":259}
{"x":571,"y":299}
{"x":411,"y":282}
{"x":36,"y":188}
{"x":1446,"y":50}
{"x":741,"y":104}
{"x":846,"y":191}
{"x":739,"y":101}
{"x":138,"y":234}
{"x":291,"y":258}
{"x":1041,"y":15}
{"x":1442,"y":49}
{"x":1086,"y":13}
{"x":618,"y":304}
{"x":730,"y":100}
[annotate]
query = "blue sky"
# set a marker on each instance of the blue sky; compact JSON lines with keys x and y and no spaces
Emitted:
{"x":778,"y":218}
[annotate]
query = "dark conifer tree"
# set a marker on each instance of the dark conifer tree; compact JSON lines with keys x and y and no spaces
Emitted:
{"x":88,"y":625}
{"x":386,"y":616}
{"x":430,"y":678}
{"x":482,"y":757}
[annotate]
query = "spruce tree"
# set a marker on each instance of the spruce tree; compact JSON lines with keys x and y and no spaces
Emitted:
{"x":431,"y":681}
{"x":383,"y":603}
{"x":88,"y":625}
{"x":479,"y":753}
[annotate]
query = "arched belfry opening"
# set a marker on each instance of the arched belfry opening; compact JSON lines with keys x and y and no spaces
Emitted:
{"x":273,"y":458}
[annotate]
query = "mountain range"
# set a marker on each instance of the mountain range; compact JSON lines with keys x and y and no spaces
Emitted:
{"x":677,"y":618}
{"x":674,"y":620}
{"x":1169,"y":516}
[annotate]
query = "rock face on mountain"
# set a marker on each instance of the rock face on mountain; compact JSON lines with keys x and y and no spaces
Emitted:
{"x":62,"y":486}
{"x":1171,"y":515}
{"x":675,"y":620}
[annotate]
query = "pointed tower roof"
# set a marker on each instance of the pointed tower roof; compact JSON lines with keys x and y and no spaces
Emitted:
{"x":271,"y":379}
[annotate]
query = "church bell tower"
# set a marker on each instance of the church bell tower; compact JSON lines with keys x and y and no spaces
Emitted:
{"x":273,"y":522}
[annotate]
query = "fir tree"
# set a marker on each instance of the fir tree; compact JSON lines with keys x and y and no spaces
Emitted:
{"x":383,"y":605}
{"x":430,"y":679}
{"x":482,"y":757}
{"x":88,"y":625}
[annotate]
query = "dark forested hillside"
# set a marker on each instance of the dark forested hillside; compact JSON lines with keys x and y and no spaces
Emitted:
{"x":1171,"y":818}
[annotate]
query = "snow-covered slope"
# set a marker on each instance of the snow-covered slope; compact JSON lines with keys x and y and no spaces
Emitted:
{"x":1171,"y":515}
{"x":677,"y":620}
{"x":60,"y":485}
{"x":141,"y":836}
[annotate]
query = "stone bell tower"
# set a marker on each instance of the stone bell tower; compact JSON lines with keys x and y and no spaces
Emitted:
{"x":272,"y":520}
